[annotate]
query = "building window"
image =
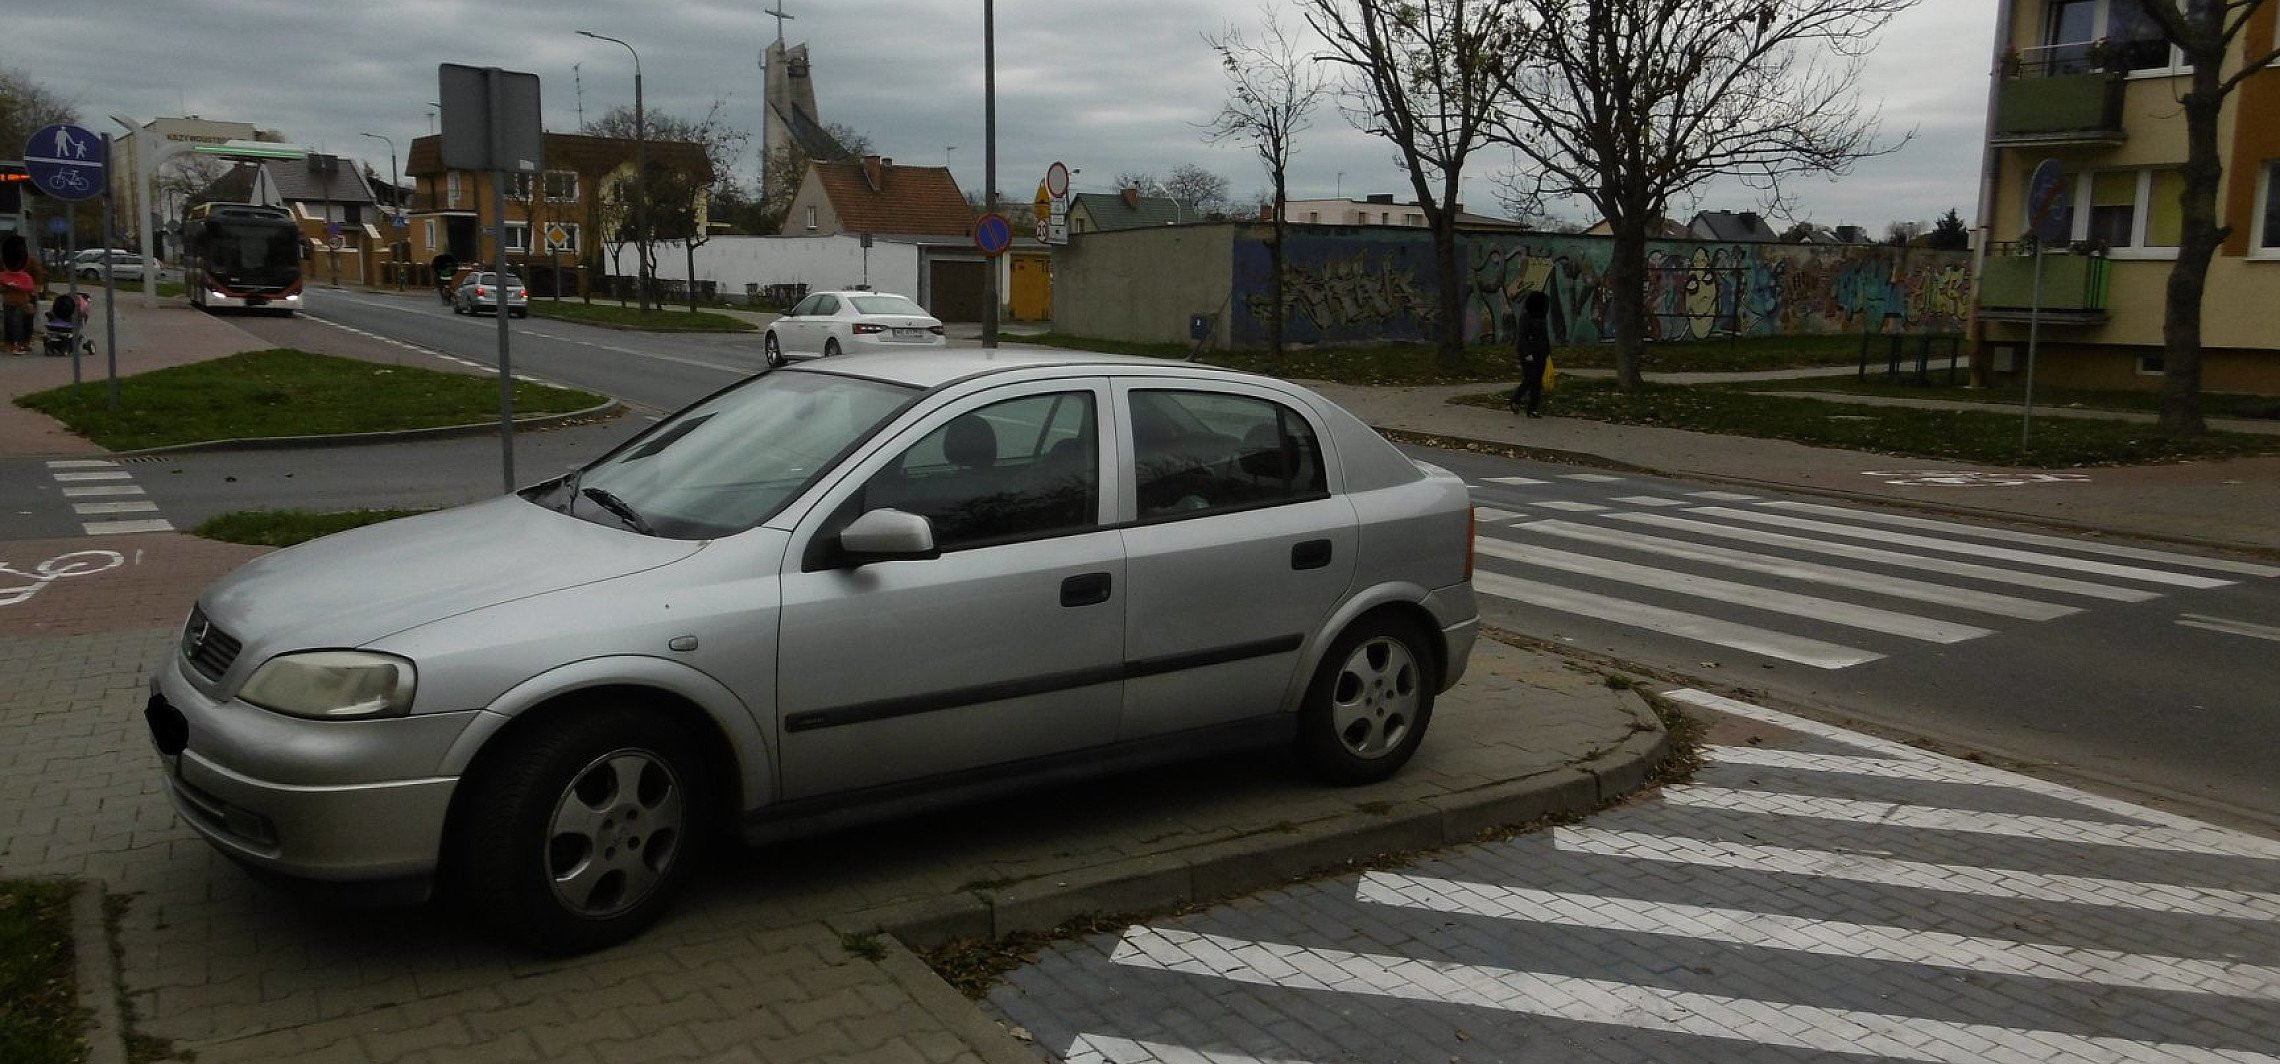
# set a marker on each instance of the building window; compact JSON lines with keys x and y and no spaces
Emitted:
{"x":2268,"y":213}
{"x":2134,"y":213}
{"x":1314,"y":216}
{"x":518,"y":237}
{"x":452,"y":183}
{"x":427,"y":230}
{"x":561,"y":186}
{"x":2088,"y":35}
{"x":811,"y":217}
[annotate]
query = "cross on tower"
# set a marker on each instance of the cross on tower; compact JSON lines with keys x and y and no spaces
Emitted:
{"x":778,"y":14}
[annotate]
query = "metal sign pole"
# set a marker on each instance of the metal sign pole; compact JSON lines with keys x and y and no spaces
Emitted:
{"x":499,"y":311}
{"x":110,"y":290}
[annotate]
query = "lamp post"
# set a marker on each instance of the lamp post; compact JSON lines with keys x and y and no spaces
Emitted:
{"x":395,"y":208}
{"x":139,"y":202}
{"x":989,"y":161}
{"x":640,"y":176}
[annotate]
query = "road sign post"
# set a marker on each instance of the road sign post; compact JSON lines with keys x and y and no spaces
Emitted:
{"x":2046,"y":192}
{"x":491,"y":122}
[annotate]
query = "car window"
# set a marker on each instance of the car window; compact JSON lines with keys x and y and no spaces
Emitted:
{"x":1018,"y":469}
{"x":803,"y":307}
{"x":1200,"y":452}
{"x":825,"y":305}
{"x":886,"y":305}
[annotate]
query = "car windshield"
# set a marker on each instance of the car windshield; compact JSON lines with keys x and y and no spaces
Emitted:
{"x":886,"y":305}
{"x":731,"y":461}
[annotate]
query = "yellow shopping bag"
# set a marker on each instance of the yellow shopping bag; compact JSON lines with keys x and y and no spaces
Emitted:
{"x":1551,"y":374}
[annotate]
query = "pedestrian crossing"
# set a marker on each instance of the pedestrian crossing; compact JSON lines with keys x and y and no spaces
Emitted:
{"x":1787,"y":579}
{"x":1817,"y":891}
{"x":104,"y":497}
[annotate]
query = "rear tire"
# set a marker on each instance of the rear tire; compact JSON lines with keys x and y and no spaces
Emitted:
{"x":831,"y":348}
{"x":1370,"y":702}
{"x":578,"y":834}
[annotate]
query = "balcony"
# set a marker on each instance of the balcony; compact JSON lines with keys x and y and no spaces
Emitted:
{"x":2054,"y":97}
{"x":2073,"y":287}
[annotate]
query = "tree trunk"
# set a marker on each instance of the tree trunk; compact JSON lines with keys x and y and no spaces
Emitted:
{"x":2189,"y":276}
{"x":691,"y":248}
{"x":1451,"y":346}
{"x":1275,"y":267}
{"x":1627,"y":297}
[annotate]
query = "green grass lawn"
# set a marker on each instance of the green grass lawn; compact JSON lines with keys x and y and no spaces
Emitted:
{"x":668,"y":319}
{"x":1979,"y":436}
{"x":283,"y":528}
{"x":2213,"y":404}
{"x":39,"y":995}
{"x":1420,"y":363}
{"x":284,"y":392}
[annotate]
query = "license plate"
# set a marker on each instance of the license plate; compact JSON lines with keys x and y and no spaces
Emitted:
{"x":908,"y":334}
{"x":255,"y":301}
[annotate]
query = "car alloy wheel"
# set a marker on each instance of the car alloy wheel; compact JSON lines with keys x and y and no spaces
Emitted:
{"x":1370,"y":702}
{"x":771,"y":350}
{"x":616,"y":830}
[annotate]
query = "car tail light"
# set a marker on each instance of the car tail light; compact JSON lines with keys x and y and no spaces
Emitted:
{"x":935,"y":329}
{"x":480,"y":293}
{"x":866,"y":328}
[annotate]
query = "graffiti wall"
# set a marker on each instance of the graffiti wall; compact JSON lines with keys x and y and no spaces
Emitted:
{"x":1360,"y":285}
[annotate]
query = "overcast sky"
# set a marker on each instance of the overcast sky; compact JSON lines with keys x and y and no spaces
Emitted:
{"x":1106,"y":86}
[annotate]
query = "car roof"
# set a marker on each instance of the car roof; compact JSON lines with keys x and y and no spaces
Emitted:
{"x":861,"y":292}
{"x":937,"y":366}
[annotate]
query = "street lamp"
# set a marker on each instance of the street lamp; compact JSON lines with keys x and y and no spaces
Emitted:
{"x":640,"y":175}
{"x":396,"y":208}
{"x":139,"y":202}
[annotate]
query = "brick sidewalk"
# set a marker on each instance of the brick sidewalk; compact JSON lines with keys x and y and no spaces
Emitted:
{"x":171,"y":334}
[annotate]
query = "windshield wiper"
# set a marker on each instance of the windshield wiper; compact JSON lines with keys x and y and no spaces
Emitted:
{"x":618,"y":506}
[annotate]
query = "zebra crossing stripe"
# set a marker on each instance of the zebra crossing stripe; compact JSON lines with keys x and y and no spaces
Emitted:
{"x":1592,"y":478}
{"x":114,"y":528}
{"x":2080,"y":565}
{"x":1826,"y":938}
{"x":2230,"y":627}
{"x":1602,"y":1001}
{"x":1883,"y":768}
{"x":1722,"y":496}
{"x":1750,"y":595}
{"x":1973,"y":880}
{"x":1491,"y":513}
{"x":81,"y":478}
{"x":2009,"y":825}
{"x":1105,"y":1049}
{"x":1518,"y":482}
{"x":102,"y":490}
{"x":1650,"y":500}
{"x":1572,"y":506}
{"x":1813,"y":572}
{"x":2111,"y":550}
{"x":1900,"y":559}
{"x":81,"y":463}
{"x":97,"y":509}
{"x":1772,"y":644}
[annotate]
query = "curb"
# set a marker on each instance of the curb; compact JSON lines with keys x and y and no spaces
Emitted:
{"x":604,"y":411}
{"x":97,"y":966}
{"x":1265,"y":860}
{"x":1585,"y":458}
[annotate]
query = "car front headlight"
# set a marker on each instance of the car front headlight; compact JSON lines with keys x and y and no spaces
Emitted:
{"x":332,"y":685}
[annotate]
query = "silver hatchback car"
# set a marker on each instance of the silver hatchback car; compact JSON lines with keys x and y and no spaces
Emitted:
{"x":837,"y":591}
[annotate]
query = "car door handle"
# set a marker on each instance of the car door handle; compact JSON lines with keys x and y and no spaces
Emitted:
{"x":1312,"y":554}
{"x":1085,"y":589}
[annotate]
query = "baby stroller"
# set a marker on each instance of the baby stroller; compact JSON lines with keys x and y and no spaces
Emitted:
{"x":67,"y":327}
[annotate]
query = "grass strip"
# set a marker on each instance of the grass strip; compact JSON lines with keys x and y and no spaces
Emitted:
{"x":1976,"y":436}
{"x":283,"y":392}
{"x":40,"y":1017}
{"x":659,"y":320}
{"x":2057,"y":400}
{"x":284,"y":528}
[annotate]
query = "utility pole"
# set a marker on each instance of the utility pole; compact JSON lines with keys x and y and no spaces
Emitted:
{"x":640,"y":176}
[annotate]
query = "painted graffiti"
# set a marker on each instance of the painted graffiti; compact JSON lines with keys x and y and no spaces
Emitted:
{"x":1363,"y":285}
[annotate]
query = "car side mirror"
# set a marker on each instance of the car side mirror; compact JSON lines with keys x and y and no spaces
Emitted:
{"x":887,"y":535}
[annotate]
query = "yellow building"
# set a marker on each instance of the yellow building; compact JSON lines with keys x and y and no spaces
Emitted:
{"x":2091,"y":85}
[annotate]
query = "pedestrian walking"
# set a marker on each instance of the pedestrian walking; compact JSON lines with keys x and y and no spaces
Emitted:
{"x":1533,"y":336}
{"x":19,"y":293}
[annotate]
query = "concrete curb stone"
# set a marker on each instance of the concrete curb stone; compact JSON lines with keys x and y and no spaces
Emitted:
{"x":97,"y":966}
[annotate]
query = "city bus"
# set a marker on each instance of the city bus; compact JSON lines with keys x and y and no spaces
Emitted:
{"x":241,"y":255}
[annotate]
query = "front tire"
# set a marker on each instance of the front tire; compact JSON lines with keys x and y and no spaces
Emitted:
{"x":1370,"y":702}
{"x":831,"y":348}
{"x":578,"y":834}
{"x":771,"y":351}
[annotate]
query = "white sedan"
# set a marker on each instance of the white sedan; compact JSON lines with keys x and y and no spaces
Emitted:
{"x":832,"y":323}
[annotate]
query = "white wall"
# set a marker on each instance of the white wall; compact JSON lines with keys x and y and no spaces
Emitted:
{"x":819,"y":262}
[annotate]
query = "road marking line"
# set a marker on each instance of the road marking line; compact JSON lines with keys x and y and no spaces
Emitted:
{"x":1974,"y":822}
{"x":1858,"y":580}
{"x":1602,"y":1001}
{"x":1964,"y":771}
{"x":2113,"y":550}
{"x":1650,"y":500}
{"x":1491,"y":513}
{"x":92,"y":509}
{"x":1883,"y":768}
{"x":113,"y":528}
{"x":1921,"y":875}
{"x":1572,"y":506}
{"x":1693,"y":626}
{"x":1981,"y":550}
{"x":1592,"y":478}
{"x":75,"y":478}
{"x":2230,"y":627}
{"x":1894,"y":558}
{"x":81,"y":463}
{"x":1106,"y":1049}
{"x":101,"y":490}
{"x":1515,"y":481}
{"x":1826,"y":938}
{"x":1722,"y":496}
{"x":1739,"y":594}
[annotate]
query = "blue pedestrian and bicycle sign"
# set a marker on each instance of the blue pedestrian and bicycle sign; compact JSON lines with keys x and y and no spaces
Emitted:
{"x":66,"y":162}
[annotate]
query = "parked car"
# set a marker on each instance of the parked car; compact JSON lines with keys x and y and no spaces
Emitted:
{"x":840,"y":591}
{"x":479,"y":293}
{"x":834,"y":323}
{"x":93,"y":263}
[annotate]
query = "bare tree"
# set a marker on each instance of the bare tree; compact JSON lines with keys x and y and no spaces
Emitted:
{"x":1425,"y":75}
{"x":2205,"y":32}
{"x":1201,"y":194}
{"x":1630,"y":103}
{"x":26,"y":107}
{"x":1141,"y":181}
{"x":673,"y":191}
{"x":782,"y":172}
{"x":683,"y":198}
{"x":1273,"y":90}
